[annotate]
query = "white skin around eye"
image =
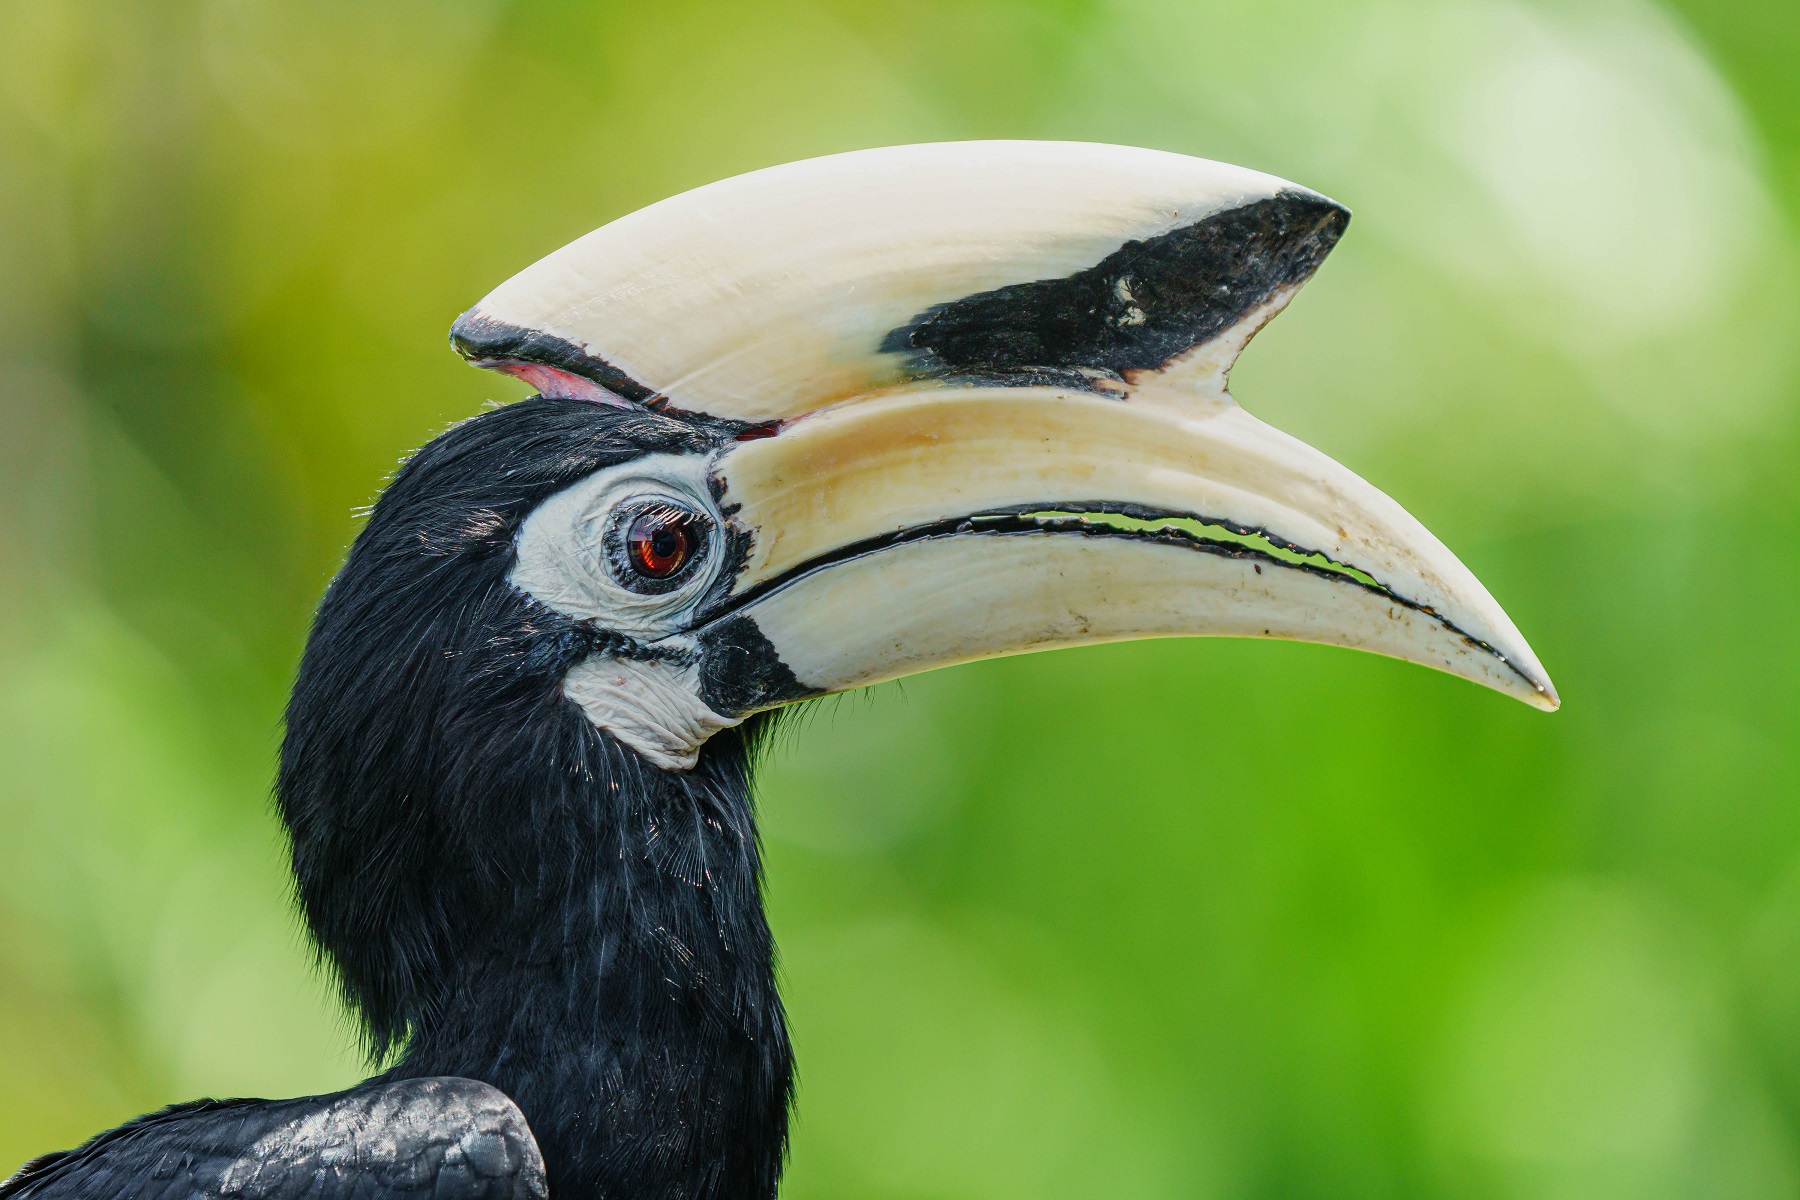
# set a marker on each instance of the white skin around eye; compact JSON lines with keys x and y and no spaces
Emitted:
{"x":561,"y":552}
{"x":653,"y":707}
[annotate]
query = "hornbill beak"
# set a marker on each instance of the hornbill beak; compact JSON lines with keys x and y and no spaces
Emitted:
{"x":972,"y":402}
{"x":920,"y":531}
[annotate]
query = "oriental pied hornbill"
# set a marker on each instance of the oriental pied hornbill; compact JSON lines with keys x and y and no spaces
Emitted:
{"x":798,"y":431}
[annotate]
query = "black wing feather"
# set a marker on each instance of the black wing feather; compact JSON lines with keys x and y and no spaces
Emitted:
{"x":442,"y":1138}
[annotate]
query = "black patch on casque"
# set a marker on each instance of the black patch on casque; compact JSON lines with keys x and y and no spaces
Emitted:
{"x":1136,"y":309}
{"x":477,"y":337}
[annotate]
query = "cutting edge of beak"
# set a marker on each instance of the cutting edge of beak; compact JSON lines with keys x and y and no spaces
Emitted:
{"x":940,"y":526}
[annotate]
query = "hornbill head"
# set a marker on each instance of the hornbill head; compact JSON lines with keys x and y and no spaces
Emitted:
{"x":798,"y":431}
{"x":948,"y":402}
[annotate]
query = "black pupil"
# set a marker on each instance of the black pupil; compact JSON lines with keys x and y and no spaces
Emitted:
{"x":660,"y":542}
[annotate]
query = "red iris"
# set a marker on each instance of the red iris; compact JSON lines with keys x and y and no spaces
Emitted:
{"x":660,"y":542}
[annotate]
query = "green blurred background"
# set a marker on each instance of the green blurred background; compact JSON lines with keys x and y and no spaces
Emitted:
{"x":1182,"y":919}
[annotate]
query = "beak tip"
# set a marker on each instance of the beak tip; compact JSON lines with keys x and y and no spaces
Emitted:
{"x":1542,"y":693}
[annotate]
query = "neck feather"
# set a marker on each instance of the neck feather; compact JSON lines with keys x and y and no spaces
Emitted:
{"x":583,"y":931}
{"x":503,"y":890}
{"x":623,"y":991}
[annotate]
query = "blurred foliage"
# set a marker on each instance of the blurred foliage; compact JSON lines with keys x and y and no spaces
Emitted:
{"x":1207,"y":919}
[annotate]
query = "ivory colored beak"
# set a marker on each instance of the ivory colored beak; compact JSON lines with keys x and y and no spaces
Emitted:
{"x":901,"y":534}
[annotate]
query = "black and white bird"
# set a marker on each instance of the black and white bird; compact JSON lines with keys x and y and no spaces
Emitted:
{"x":796,"y":432}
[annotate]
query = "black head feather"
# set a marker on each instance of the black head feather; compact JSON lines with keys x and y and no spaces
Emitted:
{"x":504,"y":891}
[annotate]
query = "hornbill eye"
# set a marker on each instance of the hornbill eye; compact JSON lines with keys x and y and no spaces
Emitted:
{"x":654,"y":543}
{"x":660,"y":543}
